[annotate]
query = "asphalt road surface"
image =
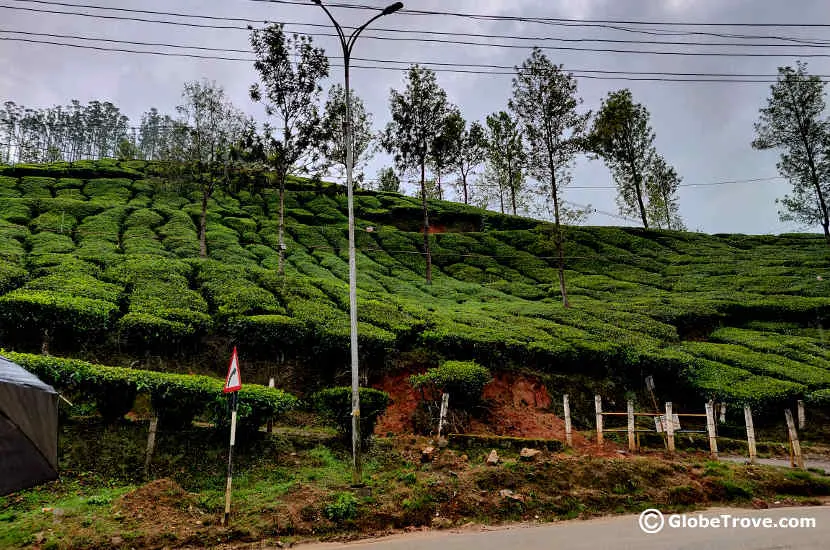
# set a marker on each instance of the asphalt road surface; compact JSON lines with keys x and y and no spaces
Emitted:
{"x":623,"y":533}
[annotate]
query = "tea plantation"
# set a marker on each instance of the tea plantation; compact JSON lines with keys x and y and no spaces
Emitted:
{"x":103,"y":259}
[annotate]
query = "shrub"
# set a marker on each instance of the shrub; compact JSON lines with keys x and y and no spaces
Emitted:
{"x":343,"y":509}
{"x":463,"y":380}
{"x":40,"y":310}
{"x":335,"y":404}
{"x":175,"y":397}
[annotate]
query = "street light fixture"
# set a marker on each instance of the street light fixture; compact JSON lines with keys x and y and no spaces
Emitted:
{"x":347,"y":44}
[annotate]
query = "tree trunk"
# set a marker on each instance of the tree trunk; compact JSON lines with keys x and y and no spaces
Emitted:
{"x":44,"y":344}
{"x":513,"y":198}
{"x":438,"y":182}
{"x":203,"y":226}
{"x":282,"y":224}
{"x":464,"y":186}
{"x":560,"y":245}
{"x":426,"y":223}
{"x":641,"y":205}
{"x":501,"y":198}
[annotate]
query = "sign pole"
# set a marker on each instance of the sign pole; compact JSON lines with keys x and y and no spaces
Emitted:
{"x":234,"y":403}
{"x":233,"y":383}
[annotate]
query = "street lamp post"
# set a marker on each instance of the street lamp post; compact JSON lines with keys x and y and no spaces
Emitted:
{"x":347,"y":44}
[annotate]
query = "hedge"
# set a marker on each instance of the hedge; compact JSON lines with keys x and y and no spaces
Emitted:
{"x":335,"y":404}
{"x":41,"y":309}
{"x":177,"y":398}
{"x":463,"y":380}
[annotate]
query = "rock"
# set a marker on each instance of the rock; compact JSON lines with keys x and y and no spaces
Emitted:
{"x":427,"y":454}
{"x":759,"y":504}
{"x":508,"y":494}
{"x":529,"y":454}
{"x":621,"y":452}
{"x":442,"y":443}
{"x":493,"y":458}
{"x":463,"y":458}
{"x":116,"y":540}
{"x":441,"y":523}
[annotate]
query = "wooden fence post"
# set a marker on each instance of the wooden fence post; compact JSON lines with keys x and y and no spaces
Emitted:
{"x":722,"y":418}
{"x":271,"y":420}
{"x":750,"y":434}
{"x":567,"y":407}
{"x":802,"y":420}
{"x":632,"y":446}
{"x":151,"y":444}
{"x":442,"y":415}
{"x":710,"y":427}
{"x":795,"y":446}
{"x":669,"y":426}
{"x":598,"y":405}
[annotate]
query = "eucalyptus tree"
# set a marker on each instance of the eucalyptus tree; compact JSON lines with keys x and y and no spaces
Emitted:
{"x":793,"y":122}
{"x":388,"y":181}
{"x":333,"y":141}
{"x":507,"y":157}
{"x":546,"y":102}
{"x":662,"y":182}
{"x":213,"y":126}
{"x":419,"y":115}
{"x":290,"y":69}
{"x":471,"y":149}
{"x":444,"y":150}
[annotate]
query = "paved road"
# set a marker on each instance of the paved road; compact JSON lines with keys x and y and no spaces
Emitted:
{"x":822,"y":462}
{"x":621,"y":533}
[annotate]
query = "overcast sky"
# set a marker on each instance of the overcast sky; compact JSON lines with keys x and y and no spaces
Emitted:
{"x":703,"y":129}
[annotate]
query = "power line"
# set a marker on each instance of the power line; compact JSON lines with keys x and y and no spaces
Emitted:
{"x":527,"y":19}
{"x":380,"y":67}
{"x":811,"y":43}
{"x":578,"y":72}
{"x":454,"y":42}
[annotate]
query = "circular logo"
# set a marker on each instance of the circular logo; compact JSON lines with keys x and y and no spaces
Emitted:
{"x":651,"y":521}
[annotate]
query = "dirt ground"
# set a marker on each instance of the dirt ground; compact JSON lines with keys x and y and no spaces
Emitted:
{"x":519,"y":407}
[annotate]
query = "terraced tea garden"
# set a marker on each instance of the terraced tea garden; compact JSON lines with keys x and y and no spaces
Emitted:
{"x":101,"y":261}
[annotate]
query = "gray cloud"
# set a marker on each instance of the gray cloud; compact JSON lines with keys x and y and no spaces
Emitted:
{"x":703,"y":129}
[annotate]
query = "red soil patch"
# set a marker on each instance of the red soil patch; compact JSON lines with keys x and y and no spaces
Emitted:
{"x":398,"y":416}
{"x":519,"y":408}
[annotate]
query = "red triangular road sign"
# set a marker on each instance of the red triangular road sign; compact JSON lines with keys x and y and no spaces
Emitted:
{"x":233,"y":382}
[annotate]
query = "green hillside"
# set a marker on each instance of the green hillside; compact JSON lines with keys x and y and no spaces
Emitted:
{"x":101,"y":260}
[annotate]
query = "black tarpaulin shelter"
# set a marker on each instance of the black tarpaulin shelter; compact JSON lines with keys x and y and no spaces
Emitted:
{"x":28,"y":429}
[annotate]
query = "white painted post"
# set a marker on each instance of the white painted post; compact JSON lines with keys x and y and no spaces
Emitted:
{"x":230,"y":460}
{"x":567,"y":407}
{"x":151,"y":444}
{"x":796,"y":447}
{"x":271,"y":384}
{"x":445,"y":401}
{"x":632,"y":446}
{"x":710,"y":427}
{"x":802,"y":420}
{"x":750,"y":434}
{"x":598,"y":406}
{"x":669,"y":427}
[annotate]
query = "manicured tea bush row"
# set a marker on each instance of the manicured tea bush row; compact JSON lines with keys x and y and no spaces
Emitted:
{"x":177,"y":398}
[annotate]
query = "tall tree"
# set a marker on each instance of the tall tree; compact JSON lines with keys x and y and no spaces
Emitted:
{"x":472,"y":151}
{"x":291,"y":69}
{"x":622,"y":137}
{"x":213,"y":125}
{"x":388,"y":181}
{"x":334,"y":129}
{"x":444,"y":151}
{"x":418,"y":117}
{"x":661,"y":185}
{"x":545,"y":100}
{"x":793,"y":122}
{"x":507,"y":157}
